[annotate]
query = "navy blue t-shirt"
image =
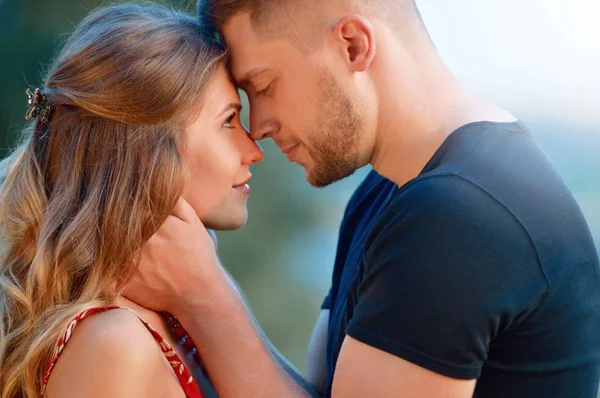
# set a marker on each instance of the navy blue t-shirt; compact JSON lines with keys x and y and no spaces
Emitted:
{"x":482,"y":267}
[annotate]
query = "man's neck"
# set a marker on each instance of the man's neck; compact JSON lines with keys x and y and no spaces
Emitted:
{"x":418,"y":111}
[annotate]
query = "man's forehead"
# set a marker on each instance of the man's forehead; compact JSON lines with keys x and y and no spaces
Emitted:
{"x":245,"y":67}
{"x":248,"y":55}
{"x":242,"y":45}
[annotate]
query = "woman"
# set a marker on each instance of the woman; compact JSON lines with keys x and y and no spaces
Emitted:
{"x":138,"y":115}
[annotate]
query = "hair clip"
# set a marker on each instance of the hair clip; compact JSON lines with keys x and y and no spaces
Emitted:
{"x":38,"y":105}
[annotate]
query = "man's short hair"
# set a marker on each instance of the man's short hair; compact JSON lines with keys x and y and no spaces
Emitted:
{"x":401,"y":15}
{"x":218,"y":12}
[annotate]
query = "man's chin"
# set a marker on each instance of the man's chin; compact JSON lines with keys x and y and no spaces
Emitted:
{"x":312,"y":180}
{"x":323,"y":178}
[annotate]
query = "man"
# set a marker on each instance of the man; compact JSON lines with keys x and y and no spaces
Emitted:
{"x":464,"y":266}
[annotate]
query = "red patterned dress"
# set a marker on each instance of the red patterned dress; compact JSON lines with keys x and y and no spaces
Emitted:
{"x":185,"y":379}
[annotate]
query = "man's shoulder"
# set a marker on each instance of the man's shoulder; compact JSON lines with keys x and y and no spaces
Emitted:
{"x":449,"y":208}
{"x":440,"y":195}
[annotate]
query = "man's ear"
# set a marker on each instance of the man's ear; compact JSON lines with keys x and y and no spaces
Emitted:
{"x":356,"y":36}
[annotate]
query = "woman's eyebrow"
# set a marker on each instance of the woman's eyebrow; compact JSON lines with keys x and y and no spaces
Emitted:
{"x":234,"y":105}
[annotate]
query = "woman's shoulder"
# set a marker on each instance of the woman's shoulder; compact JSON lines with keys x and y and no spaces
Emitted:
{"x":111,"y":331}
{"x":109,"y":353}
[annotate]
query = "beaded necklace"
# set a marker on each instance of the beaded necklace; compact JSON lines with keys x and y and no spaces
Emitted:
{"x":183,"y":336}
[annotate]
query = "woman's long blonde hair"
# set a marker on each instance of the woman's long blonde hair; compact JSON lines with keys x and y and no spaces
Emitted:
{"x":86,"y":189}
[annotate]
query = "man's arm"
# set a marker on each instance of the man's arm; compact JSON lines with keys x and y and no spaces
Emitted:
{"x":364,"y":371}
{"x":316,"y":359}
{"x":316,"y":347}
{"x":239,"y":362}
{"x":316,"y":367}
{"x":292,"y":372}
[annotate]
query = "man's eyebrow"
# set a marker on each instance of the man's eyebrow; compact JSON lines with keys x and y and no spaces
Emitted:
{"x":251,"y":74}
{"x":233,"y":105}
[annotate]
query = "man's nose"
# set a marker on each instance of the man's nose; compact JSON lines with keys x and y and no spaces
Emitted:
{"x":262,"y":123}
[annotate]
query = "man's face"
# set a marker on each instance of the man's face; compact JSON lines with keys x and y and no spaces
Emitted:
{"x":296,"y":100}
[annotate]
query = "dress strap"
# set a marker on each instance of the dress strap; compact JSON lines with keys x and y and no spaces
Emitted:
{"x":183,"y":375}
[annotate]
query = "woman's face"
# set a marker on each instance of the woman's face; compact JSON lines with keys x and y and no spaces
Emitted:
{"x":218,"y":155}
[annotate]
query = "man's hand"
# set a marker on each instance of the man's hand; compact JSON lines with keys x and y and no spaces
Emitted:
{"x":179,"y":265}
{"x":180,"y":273}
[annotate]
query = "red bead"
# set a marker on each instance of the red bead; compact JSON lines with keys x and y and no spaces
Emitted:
{"x":189,"y":343}
{"x":179,"y":332}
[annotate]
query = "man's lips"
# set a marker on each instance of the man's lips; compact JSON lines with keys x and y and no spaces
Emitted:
{"x":287,"y":149}
{"x":290,"y":151}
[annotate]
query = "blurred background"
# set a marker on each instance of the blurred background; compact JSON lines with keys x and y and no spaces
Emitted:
{"x":540,"y":59}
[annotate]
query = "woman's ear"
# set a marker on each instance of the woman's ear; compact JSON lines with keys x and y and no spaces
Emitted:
{"x":356,"y":37}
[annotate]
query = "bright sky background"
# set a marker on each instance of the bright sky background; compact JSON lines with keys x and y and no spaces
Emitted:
{"x":533,"y":56}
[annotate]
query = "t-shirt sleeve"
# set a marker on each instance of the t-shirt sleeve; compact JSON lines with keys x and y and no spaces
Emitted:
{"x":438,"y":276}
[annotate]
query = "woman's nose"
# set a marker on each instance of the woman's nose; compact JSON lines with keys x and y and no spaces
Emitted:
{"x":251,"y":151}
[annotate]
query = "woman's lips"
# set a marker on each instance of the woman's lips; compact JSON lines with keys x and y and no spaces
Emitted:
{"x":244,"y":188}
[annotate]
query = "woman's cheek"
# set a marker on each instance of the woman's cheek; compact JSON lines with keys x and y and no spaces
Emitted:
{"x":214,"y":168}
{"x":199,"y":189}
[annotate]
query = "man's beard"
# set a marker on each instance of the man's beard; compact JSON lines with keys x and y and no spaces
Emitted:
{"x":334,"y":144}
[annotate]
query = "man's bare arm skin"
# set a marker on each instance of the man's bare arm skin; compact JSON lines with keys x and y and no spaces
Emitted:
{"x":316,"y":358}
{"x":281,"y":360}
